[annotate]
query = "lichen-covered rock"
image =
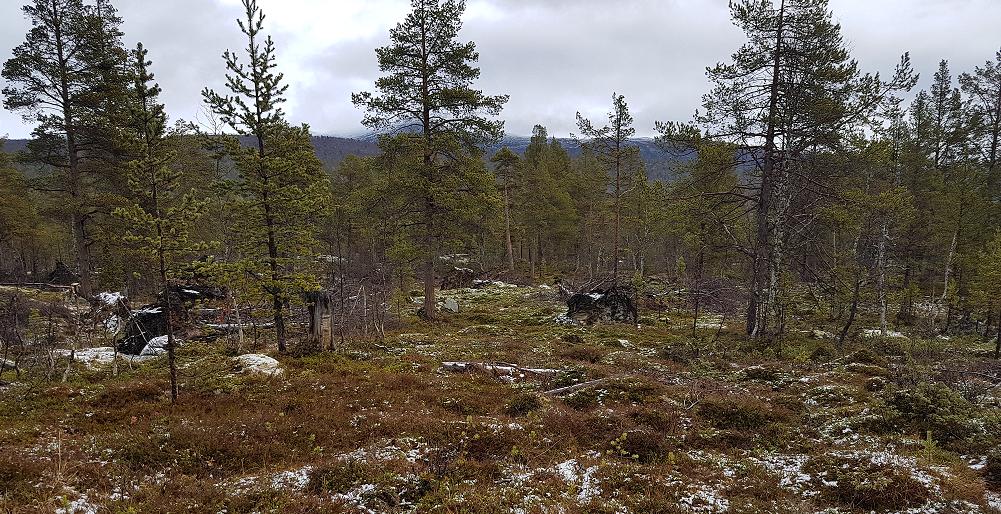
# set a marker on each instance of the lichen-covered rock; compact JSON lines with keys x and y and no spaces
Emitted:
{"x":258,"y":364}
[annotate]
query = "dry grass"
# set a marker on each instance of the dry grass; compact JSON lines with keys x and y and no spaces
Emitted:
{"x":680,"y":425}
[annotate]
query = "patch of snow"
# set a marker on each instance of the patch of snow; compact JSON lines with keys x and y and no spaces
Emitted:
{"x":295,"y":479}
{"x":260,"y":364}
{"x":356,"y":496}
{"x":93,"y":358}
{"x":993,"y":500}
{"x":156,"y":347}
{"x":705,"y":499}
{"x":573,"y":473}
{"x":975,"y":463}
{"x":789,"y":468}
{"x":80,"y":505}
{"x":147,"y":310}
{"x":113,"y":324}
{"x":565,"y":320}
{"x":710,"y":322}
{"x":111,"y":299}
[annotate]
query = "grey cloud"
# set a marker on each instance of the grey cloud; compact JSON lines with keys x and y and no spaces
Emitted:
{"x":554,"y":57}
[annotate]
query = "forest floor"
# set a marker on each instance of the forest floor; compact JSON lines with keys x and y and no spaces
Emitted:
{"x":681,"y":423}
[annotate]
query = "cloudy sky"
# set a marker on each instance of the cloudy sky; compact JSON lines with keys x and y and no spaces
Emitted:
{"x":554,"y":57}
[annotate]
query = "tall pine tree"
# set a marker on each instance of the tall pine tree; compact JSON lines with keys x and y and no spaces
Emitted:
{"x":161,"y":221}
{"x":428,"y":89}
{"x":282,"y":189}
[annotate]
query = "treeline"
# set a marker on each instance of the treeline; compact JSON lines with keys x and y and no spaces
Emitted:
{"x":813,"y":183}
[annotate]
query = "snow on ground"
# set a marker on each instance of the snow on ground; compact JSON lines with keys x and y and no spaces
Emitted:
{"x":156,"y":346}
{"x":111,"y":299}
{"x":789,"y":468}
{"x":259,"y":364}
{"x":573,"y":473}
{"x":80,"y":505}
{"x":993,"y":500}
{"x":295,"y":479}
{"x":705,"y":499}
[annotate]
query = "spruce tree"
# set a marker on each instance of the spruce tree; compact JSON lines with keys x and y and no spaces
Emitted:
{"x":282,"y":188}
{"x":427,"y":88}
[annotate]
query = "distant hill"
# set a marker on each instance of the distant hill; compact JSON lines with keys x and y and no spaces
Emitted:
{"x":332,"y":150}
{"x":660,"y":164}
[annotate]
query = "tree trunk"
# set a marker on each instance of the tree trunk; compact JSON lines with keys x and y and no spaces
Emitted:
{"x":507,"y":227}
{"x":77,"y":218}
{"x":615,"y":231}
{"x":239,"y":323}
{"x":881,"y":275}
{"x":851,"y":313}
{"x":430,"y":307}
{"x":275,"y":287}
{"x":758,"y":304}
{"x":997,"y":345}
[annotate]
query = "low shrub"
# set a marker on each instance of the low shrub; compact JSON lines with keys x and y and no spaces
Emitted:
{"x":588,"y":354}
{"x":741,"y":413}
{"x":124,"y":395}
{"x":522,"y":404}
{"x":860,"y":483}
{"x":992,"y":469}
{"x":338,"y":477}
{"x":932,"y":407}
{"x":867,"y":356}
{"x":640,"y":446}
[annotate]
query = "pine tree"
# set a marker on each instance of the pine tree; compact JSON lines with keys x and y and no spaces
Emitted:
{"x":610,"y":144}
{"x":428,"y":87}
{"x":283,"y":191}
{"x":543,"y":207}
{"x":791,"y":90}
{"x":57,"y":78}
{"x":945,"y":110}
{"x":161,"y":221}
{"x":984,"y":88}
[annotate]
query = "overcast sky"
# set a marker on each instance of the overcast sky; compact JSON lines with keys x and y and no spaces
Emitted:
{"x":554,"y":57}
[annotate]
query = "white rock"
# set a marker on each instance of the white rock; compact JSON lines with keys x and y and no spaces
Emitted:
{"x":821,"y":334}
{"x":451,"y":305}
{"x":259,"y":364}
{"x":873,"y":333}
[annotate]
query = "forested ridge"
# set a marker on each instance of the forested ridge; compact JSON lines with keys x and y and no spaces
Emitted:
{"x":801,"y":280}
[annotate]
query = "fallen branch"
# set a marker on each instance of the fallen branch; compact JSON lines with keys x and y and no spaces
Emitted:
{"x":497,"y":369}
{"x":576,"y":387}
